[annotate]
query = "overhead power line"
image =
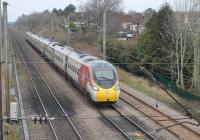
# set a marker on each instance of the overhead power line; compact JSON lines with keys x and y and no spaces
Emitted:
{"x":154,"y":65}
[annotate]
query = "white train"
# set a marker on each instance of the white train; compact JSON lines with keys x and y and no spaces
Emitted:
{"x":92,"y":75}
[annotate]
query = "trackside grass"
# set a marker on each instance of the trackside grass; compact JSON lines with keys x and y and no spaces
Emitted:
{"x":150,"y":89}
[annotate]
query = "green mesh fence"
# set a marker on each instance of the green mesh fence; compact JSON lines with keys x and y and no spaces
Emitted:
{"x":176,"y":90}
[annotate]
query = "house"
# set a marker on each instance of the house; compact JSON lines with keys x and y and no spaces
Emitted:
{"x":135,"y":27}
{"x":126,"y":21}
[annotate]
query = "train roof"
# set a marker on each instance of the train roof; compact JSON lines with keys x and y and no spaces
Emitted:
{"x":66,"y":50}
{"x":63,"y":49}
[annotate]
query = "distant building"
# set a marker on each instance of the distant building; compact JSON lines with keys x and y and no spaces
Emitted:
{"x":134,"y":28}
{"x":79,"y":24}
{"x":129,"y":23}
{"x":126,"y":21}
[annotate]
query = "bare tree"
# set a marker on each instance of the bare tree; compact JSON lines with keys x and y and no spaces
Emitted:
{"x":187,"y":22}
{"x":181,"y":38}
{"x":95,"y":9}
{"x":195,"y":29}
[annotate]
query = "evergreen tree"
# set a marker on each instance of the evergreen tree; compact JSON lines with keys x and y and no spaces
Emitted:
{"x":69,"y":9}
{"x":157,"y":39}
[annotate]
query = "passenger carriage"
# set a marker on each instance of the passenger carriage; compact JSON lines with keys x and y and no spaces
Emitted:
{"x":92,"y":75}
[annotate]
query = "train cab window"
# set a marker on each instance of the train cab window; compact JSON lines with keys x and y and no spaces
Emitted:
{"x":105,"y":78}
{"x":104,"y":74}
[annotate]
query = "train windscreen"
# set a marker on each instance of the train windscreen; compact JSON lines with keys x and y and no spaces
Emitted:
{"x":105,"y":78}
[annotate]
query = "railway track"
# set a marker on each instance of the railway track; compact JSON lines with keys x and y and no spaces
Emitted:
{"x":124,"y":124}
{"x":180,"y":130}
{"x":127,"y":128}
{"x":62,"y":128}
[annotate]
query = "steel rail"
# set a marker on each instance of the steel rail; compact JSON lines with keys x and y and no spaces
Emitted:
{"x":115,"y":125}
{"x":134,"y":123}
{"x":66,"y":115}
{"x":161,"y":114}
{"x":107,"y":118}
{"x":33,"y":83}
{"x":55,"y":98}
{"x":146,"y":115}
{"x":22,"y":112}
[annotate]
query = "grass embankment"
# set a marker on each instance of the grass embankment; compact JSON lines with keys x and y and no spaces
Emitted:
{"x":142,"y":85}
{"x":150,"y":89}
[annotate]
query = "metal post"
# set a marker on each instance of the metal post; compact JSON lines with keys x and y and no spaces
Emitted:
{"x":68,"y":31}
{"x":52,"y":22}
{"x":4,"y":65}
{"x":104,"y":34}
{"x":1,"y":46}
{"x":0,"y":34}
{"x":5,"y":36}
{"x":5,"y":41}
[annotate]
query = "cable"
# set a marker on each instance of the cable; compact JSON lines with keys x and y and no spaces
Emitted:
{"x":175,"y":72}
{"x":149,"y":75}
{"x":136,"y":55}
{"x":152,"y":64}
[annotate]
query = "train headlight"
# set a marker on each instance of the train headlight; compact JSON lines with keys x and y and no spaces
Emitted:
{"x":117,"y":87}
{"x":94,"y":87}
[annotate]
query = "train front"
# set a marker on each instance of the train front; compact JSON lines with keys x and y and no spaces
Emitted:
{"x":105,"y":83}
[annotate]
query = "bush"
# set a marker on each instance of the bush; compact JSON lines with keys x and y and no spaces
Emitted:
{"x":122,"y":53}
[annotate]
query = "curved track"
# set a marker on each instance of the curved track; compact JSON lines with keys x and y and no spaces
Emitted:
{"x":62,"y":128}
{"x":180,"y":130}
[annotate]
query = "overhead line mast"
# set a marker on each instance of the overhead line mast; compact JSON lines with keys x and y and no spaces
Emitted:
{"x":104,"y":32}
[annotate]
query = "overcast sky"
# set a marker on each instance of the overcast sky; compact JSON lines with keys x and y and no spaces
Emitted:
{"x":19,"y":7}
